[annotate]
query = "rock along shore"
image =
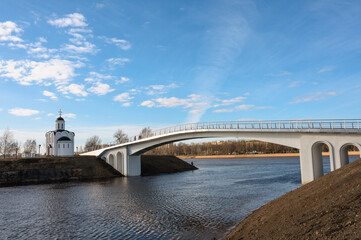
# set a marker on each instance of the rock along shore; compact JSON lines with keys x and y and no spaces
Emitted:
{"x":59,"y":169}
{"x":327,"y":208}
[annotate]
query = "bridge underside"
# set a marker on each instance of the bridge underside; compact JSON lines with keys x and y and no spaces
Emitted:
{"x":126,"y":157}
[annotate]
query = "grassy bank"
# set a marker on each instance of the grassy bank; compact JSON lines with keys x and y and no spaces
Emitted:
{"x":327,"y":208}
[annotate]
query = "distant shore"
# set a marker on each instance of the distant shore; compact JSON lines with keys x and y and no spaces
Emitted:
{"x":351,"y":153}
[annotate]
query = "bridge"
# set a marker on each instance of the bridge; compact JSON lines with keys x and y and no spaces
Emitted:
{"x":306,"y":135}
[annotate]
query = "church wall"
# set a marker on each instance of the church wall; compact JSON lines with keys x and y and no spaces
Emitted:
{"x":65,"y":148}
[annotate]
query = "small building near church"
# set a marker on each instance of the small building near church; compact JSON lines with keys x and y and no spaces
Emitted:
{"x":60,"y":142}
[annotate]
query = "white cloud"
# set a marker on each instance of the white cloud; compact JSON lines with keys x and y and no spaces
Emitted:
{"x":193,"y":101}
{"x":317,"y":96}
{"x":1,"y":109}
{"x":325,"y":69}
{"x":296,"y":83}
{"x":69,"y":115}
{"x":227,"y":102}
{"x":51,"y":95}
{"x":50,"y":114}
{"x":86,"y":47}
{"x":118,"y":61}
{"x":264,"y":107}
{"x":122,"y":80}
{"x":148,"y":103}
{"x":123,"y":97}
{"x":100,"y":88}
{"x":127,"y":104}
{"x":42,"y":39}
{"x":237,"y":108}
{"x":196,"y":111}
{"x":280,"y":74}
{"x":7,"y":31}
{"x":223,"y":110}
{"x":97,"y":77}
{"x":160,"y":89}
{"x":35,"y":49}
{"x":53,"y":71}
{"x":71,"y":20}
{"x":23,"y":112}
{"x":244,"y":107}
{"x":173,"y":102}
{"x":76,"y":89}
{"x":122,"y":44}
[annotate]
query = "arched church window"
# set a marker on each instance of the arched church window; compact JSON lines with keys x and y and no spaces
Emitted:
{"x":58,"y":145}
{"x":68,"y":145}
{"x":58,"y":125}
{"x":63,"y":145}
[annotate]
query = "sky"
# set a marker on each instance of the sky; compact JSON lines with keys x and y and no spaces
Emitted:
{"x":126,"y":65}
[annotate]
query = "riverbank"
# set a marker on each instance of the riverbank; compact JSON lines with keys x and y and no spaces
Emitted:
{"x":351,"y":153}
{"x":327,"y":208}
{"x":53,"y":169}
{"x":78,"y":168}
{"x":157,"y":164}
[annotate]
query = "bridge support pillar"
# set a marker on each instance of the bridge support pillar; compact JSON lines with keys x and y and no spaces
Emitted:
{"x":306,"y":164}
{"x":132,"y":166}
{"x":311,"y":161}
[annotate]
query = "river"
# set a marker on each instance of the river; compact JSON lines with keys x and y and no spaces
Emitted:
{"x":201,"y":204}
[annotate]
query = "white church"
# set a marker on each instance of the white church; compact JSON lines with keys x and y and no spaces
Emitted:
{"x":60,"y":142}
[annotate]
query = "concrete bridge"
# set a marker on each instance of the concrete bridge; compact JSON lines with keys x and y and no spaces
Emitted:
{"x":306,"y":135}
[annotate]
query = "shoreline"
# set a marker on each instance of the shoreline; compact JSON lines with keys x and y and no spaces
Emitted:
{"x":326,"y":208}
{"x":326,"y":154}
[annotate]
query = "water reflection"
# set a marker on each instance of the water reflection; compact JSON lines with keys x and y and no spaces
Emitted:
{"x":200,"y":204}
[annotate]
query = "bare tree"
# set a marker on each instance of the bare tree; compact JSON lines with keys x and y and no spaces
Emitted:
{"x":120,"y":136}
{"x":30,"y":146}
{"x":146,"y":132}
{"x":7,"y":143}
{"x":92,"y":143}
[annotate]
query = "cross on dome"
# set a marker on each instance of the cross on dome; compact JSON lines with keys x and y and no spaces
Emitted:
{"x":60,"y":112}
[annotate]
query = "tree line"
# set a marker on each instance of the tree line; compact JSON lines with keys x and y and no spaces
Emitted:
{"x":9,"y":147}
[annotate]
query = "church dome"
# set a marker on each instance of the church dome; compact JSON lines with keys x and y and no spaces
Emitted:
{"x":60,"y":123}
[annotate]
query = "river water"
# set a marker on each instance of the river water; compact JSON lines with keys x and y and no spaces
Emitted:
{"x":201,"y":204}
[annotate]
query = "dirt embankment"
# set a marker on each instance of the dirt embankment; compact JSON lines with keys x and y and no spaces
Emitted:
{"x":53,"y":169}
{"x":327,"y":208}
{"x":58,"y":169}
{"x":155,"y":164}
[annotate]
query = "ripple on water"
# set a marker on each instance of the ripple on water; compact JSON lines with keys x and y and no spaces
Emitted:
{"x":191,"y":205}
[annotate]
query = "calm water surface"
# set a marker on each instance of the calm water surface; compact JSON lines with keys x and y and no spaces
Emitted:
{"x":202,"y":204}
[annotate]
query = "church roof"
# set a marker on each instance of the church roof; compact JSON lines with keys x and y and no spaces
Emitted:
{"x":64,"y":139}
{"x":60,"y":118}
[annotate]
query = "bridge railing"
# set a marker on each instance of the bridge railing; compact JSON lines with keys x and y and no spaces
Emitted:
{"x":260,"y":125}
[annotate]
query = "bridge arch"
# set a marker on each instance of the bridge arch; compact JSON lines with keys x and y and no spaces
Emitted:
{"x":282,"y":139}
{"x":111,"y":160}
{"x":120,"y":162}
{"x":344,"y":152}
{"x":317,"y":160}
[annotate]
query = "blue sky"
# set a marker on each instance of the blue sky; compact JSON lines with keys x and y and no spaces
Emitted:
{"x":131,"y":64}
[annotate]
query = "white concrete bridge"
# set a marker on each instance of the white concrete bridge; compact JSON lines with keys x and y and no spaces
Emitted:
{"x":306,"y":135}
